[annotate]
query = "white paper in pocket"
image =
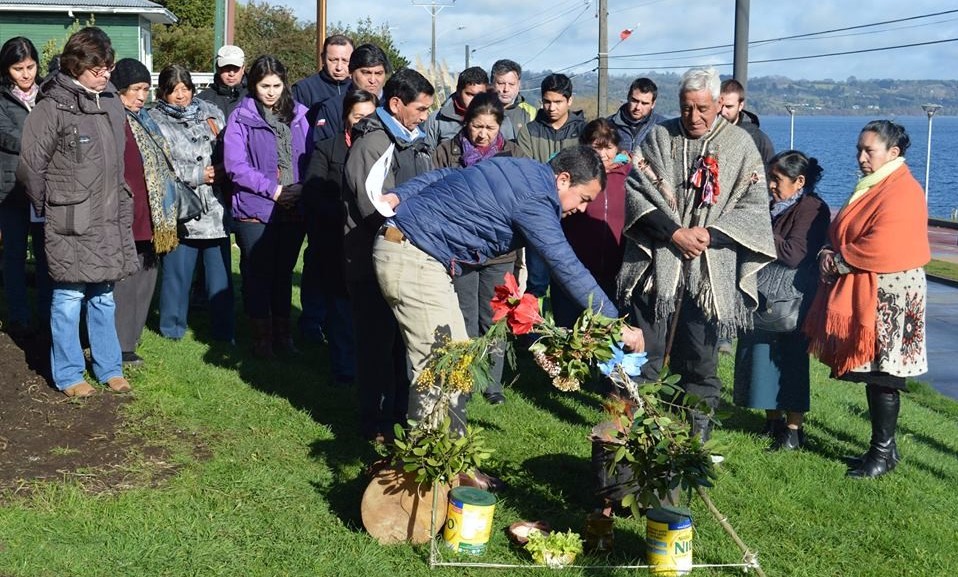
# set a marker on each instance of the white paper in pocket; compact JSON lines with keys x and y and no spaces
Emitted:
{"x":375,"y":181}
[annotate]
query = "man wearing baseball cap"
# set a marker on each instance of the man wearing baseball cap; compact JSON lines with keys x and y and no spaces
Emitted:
{"x":229,"y":82}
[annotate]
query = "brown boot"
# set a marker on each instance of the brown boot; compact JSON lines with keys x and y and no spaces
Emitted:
{"x":282,"y":336}
{"x":262,"y":338}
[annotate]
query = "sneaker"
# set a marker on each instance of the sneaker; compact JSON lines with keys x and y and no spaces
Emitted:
{"x":495,"y":398}
{"x":132,"y":360}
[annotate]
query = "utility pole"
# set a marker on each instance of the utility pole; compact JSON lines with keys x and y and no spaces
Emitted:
{"x":601,"y":106}
{"x":223,"y":25}
{"x":230,"y":21}
{"x":740,"y":62}
{"x":434,"y":8}
{"x":219,"y":27}
{"x":320,"y":31}
{"x":467,"y":56}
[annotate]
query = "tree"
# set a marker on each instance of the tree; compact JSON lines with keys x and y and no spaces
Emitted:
{"x":261,"y":28}
{"x":366,"y":32}
{"x":189,"y":42}
{"x":265,"y":29}
{"x":199,"y":13}
{"x":54,"y":46}
{"x":184,"y":44}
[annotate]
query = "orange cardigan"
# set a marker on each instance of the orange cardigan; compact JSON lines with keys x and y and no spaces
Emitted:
{"x":885,"y":231}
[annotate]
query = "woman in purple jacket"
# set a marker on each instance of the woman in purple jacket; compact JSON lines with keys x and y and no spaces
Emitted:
{"x":265,"y":155}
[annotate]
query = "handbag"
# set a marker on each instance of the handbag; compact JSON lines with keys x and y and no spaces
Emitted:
{"x":780,"y":298}
{"x":189,"y":205}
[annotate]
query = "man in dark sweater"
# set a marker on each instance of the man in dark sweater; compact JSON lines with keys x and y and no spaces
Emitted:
{"x":333,"y":77}
{"x":637,"y":116}
{"x":229,"y":83}
{"x":368,"y":69}
{"x":733,"y":109}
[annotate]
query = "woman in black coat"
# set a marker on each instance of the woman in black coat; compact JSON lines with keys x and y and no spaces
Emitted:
{"x":326,"y":217}
{"x":771,"y":368}
{"x":18,"y":96}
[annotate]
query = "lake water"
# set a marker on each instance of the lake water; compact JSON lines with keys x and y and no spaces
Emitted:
{"x":832,"y":140}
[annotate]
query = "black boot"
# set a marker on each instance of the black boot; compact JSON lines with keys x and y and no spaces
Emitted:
{"x":262,"y":330}
{"x":788,"y":440}
{"x":283,"y":336}
{"x":884,"y":416}
{"x":856,"y":462}
{"x":773,"y":427}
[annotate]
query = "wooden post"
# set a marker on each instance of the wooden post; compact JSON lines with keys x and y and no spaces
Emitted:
{"x":230,"y":21}
{"x":320,"y":31}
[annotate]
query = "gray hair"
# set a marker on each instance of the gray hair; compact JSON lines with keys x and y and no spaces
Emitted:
{"x":698,"y":79}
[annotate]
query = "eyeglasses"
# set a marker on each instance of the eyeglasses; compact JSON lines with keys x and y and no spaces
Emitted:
{"x":101,"y":71}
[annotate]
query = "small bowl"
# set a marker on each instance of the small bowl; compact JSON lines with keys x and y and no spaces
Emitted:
{"x":519,"y":531}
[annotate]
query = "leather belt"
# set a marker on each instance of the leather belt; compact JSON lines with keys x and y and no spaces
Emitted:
{"x":392,"y":234}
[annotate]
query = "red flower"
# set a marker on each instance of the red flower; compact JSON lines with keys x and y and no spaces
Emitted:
{"x":520,"y":310}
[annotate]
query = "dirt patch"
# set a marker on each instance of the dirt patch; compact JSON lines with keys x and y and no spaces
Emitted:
{"x":45,"y":436}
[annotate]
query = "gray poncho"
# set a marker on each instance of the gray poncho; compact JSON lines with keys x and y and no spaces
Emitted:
{"x":722,"y":279}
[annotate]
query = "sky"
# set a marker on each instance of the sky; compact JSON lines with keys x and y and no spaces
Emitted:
{"x":562,"y":35}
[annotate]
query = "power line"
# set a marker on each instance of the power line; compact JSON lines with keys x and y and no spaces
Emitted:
{"x":559,"y":35}
{"x":792,"y":37}
{"x":806,"y":57}
{"x":636,"y":6}
{"x":892,"y":29}
{"x":571,"y":75}
{"x":573,"y":6}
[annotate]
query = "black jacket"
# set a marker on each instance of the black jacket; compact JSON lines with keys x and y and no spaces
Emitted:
{"x":224,"y":97}
{"x":13,"y":113}
{"x":325,"y":209}
{"x":749,"y":122}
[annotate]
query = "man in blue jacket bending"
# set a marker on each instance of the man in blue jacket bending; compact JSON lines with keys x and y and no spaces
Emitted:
{"x":447,"y":217}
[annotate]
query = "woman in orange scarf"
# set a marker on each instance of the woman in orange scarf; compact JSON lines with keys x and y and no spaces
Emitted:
{"x":868,"y":320}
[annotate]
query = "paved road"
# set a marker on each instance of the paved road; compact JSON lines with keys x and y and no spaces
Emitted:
{"x":942,"y":318}
{"x":941,"y":329}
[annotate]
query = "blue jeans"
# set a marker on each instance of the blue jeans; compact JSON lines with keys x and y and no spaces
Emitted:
{"x":178,"y":267}
{"x":66,"y":354}
{"x":15,"y":224}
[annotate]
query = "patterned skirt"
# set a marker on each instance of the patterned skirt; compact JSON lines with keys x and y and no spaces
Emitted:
{"x":900,"y":331}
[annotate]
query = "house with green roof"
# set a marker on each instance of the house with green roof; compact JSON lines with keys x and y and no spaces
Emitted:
{"x":127,"y":22}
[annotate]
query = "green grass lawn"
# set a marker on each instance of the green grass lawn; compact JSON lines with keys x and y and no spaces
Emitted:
{"x":942,"y":268}
{"x":270,"y":476}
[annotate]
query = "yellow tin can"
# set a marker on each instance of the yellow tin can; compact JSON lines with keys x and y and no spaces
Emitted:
{"x":668,"y":541}
{"x":469,"y":522}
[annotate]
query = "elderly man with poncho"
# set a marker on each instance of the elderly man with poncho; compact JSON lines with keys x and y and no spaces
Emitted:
{"x":698,"y":231}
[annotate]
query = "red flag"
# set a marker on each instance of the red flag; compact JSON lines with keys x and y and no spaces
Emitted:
{"x":625,"y":34}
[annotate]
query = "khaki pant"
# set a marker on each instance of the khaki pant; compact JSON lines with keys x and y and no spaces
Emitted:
{"x":420,"y":292}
